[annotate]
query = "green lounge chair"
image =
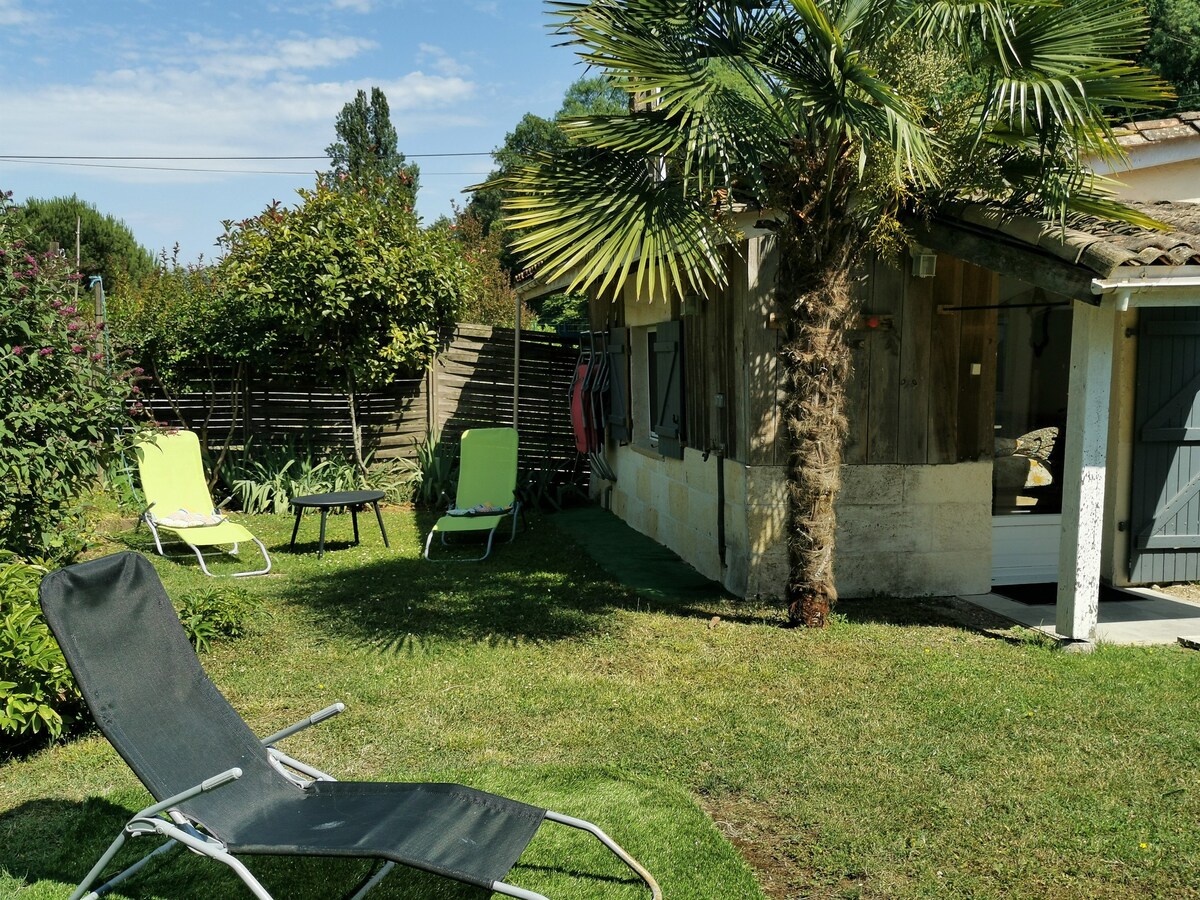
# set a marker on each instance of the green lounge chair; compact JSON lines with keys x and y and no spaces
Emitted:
{"x":178,"y":502}
{"x":487,"y":483}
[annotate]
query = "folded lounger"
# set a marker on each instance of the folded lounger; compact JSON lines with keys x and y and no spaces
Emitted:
{"x":225,"y":794}
{"x":487,"y":483}
{"x":177,"y":498}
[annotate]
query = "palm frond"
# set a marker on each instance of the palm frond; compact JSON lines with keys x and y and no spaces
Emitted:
{"x":1067,"y":61}
{"x":600,"y":216}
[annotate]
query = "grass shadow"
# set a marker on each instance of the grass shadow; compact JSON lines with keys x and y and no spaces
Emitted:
{"x":55,"y":842}
{"x":934,"y":612}
{"x":529,"y":590}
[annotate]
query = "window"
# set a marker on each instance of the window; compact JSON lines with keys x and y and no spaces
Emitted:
{"x":664,"y":372}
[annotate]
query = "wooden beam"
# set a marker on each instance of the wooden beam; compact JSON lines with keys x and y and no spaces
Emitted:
{"x":997,"y":252}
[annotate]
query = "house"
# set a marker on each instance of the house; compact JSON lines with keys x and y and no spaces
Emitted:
{"x":1162,"y":159}
{"x":1021,"y":411}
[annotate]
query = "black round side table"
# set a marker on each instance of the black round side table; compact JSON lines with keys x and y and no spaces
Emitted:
{"x":352,"y":500}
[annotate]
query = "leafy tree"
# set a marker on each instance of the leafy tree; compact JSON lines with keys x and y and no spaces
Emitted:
{"x":837,"y":119}
{"x":1173,"y":49}
{"x":494,"y":301}
{"x":366,"y":150}
{"x":62,"y":413}
{"x":563,"y":309}
{"x":107,"y":247}
{"x":188,"y":329}
{"x":534,"y":135}
{"x":593,"y":95}
{"x":357,"y":289}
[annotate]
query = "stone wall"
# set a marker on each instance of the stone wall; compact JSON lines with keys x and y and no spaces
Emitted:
{"x":915,"y":530}
{"x":902,"y":530}
{"x":674,"y":502}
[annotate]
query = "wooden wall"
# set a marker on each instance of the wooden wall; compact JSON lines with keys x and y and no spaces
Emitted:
{"x":924,"y":377}
{"x":473,"y":387}
{"x":712,"y":363}
{"x":924,"y":382}
{"x":283,"y":405}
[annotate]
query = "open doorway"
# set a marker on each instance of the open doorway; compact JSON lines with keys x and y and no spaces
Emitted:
{"x":1033,"y":362}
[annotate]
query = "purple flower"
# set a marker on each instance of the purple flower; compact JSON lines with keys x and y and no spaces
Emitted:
{"x":77,"y":348}
{"x":18,"y":350}
{"x":45,"y":351}
{"x":96,"y":357}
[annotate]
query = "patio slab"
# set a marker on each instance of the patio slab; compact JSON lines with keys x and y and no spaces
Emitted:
{"x":1147,"y":617}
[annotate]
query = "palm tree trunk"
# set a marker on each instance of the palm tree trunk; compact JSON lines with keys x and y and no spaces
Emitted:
{"x":816,"y":357}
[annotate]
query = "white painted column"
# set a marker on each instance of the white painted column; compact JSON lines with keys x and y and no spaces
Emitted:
{"x":1092,"y":336}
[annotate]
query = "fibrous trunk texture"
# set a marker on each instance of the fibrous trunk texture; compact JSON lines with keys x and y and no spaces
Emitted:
{"x":817,"y":361}
{"x":820,"y":242}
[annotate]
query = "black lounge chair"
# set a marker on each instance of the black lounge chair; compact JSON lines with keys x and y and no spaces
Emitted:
{"x":222,"y":792}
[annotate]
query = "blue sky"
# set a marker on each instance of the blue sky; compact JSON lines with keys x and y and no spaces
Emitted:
{"x":228,"y":78}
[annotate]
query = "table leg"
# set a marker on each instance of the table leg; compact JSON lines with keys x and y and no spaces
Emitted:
{"x":296,"y":527}
{"x":354,"y":519}
{"x":321,"y":545}
{"x":379,"y":519}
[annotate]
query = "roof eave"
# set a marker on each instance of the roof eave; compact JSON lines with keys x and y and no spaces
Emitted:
{"x":1150,"y":285}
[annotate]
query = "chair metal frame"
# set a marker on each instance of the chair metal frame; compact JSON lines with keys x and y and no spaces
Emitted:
{"x":160,"y":819}
{"x":111,"y":616}
{"x":196,"y":488}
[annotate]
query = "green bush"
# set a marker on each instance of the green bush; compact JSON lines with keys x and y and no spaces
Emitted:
{"x":266,"y":477}
{"x":62,"y":408}
{"x":213,"y":613}
{"x":38,"y":696}
{"x":37,"y":693}
{"x":438,"y":463}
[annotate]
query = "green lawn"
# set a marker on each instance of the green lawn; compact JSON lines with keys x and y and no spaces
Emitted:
{"x":906,"y":751}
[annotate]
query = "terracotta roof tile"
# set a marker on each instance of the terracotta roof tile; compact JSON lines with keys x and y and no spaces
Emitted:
{"x":1099,"y":245}
{"x":1183,"y":125}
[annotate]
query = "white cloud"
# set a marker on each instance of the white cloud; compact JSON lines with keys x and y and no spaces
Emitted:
{"x":248,"y":97}
{"x":358,"y":6}
{"x":256,"y":57}
{"x":440,"y":60}
{"x":187,"y":114}
{"x":12,"y":14}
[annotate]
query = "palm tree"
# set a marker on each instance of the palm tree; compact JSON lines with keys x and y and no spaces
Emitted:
{"x":840,"y":120}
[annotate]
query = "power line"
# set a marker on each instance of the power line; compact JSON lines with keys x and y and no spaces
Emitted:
{"x":61,"y":161}
{"x":84,"y":165}
{"x":15,"y":156}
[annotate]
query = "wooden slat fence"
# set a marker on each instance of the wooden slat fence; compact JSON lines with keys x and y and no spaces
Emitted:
{"x":474,"y":388}
{"x":470,"y":384}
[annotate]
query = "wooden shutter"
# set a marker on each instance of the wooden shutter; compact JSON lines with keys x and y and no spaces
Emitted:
{"x":668,"y":412}
{"x":617,"y":403}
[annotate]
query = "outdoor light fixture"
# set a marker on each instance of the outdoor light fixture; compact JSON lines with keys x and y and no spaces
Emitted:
{"x":924,"y":262}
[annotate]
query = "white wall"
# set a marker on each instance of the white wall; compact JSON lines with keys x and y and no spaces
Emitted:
{"x":902,"y":530}
{"x":914,"y":530}
{"x":1178,"y":181}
